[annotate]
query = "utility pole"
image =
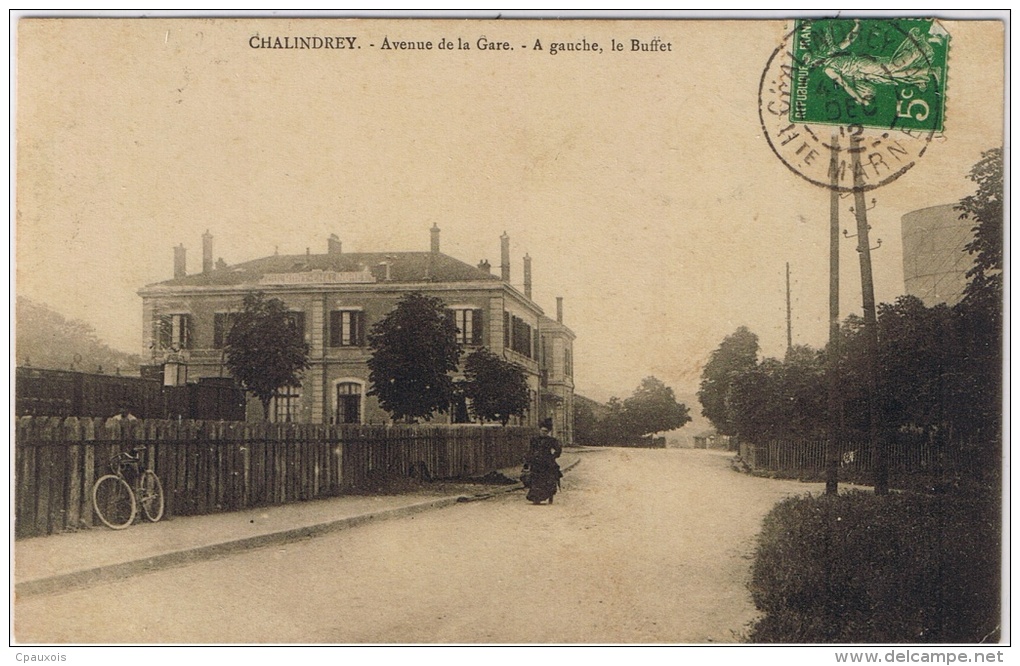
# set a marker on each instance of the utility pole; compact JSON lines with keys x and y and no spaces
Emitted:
{"x":835,"y":407}
{"x":878,"y":453}
{"x":789,"y":315}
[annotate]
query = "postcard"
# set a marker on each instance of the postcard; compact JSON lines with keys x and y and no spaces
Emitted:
{"x":325,"y":301}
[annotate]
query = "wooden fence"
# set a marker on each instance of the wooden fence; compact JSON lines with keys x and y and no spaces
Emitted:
{"x":210,"y":467}
{"x":44,"y":392}
{"x":906,"y":454}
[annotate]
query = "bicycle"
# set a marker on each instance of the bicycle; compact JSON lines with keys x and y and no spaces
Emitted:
{"x":116,"y":502}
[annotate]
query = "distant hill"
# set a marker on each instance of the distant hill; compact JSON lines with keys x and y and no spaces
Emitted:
{"x":47,"y":339}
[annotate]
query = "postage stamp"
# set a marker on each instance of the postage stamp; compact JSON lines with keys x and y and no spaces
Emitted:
{"x":884,"y":73}
{"x":871,"y":91}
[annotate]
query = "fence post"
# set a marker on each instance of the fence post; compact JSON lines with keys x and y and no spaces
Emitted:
{"x":75,"y":495}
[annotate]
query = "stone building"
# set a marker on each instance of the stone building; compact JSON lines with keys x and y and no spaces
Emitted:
{"x":334,"y":298}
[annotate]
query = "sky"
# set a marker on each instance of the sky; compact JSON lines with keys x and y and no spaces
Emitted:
{"x":639,"y":182}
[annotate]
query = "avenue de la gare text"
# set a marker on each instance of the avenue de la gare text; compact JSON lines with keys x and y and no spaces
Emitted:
{"x":482,"y":43}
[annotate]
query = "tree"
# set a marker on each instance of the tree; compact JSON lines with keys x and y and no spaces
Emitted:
{"x":736,"y":353}
{"x":978,"y":322}
{"x":47,"y":339}
{"x":754,"y":402}
{"x":497,"y":388}
{"x":653,"y":408}
{"x":804,"y":392}
{"x":585,"y":421}
{"x":265,"y":350}
{"x":985,"y":208}
{"x":414,"y":348}
{"x":611,"y":426}
{"x":914,"y":363}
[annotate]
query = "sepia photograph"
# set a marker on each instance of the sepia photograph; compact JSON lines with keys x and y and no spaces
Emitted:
{"x":510,"y":331}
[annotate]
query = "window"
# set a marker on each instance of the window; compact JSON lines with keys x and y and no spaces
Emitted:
{"x":469,"y":325}
{"x":568,"y":362}
{"x":520,"y":337}
{"x":284,"y":406}
{"x":346,"y":328}
{"x":459,"y":410}
{"x":222,"y":323}
{"x":297,"y":322}
{"x":348,"y":403}
{"x":172,"y":331}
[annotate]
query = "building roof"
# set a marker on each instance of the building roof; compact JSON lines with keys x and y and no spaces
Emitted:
{"x":408,"y":267}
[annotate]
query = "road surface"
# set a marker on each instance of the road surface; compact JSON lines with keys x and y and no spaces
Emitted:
{"x":641,"y":546}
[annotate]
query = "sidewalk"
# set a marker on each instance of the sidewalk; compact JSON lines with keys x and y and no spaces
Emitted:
{"x":79,"y":559}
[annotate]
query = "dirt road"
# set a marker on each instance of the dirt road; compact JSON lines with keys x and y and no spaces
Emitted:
{"x":641,"y":546}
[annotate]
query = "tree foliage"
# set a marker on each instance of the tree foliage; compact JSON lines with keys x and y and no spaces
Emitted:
{"x":937,"y":379}
{"x":979,"y":316}
{"x":984,"y":207}
{"x":414,"y":350}
{"x":585,"y":421}
{"x":939,"y":368}
{"x":497,"y":388}
{"x":652,"y":408}
{"x":737,"y":353}
{"x":265,"y":350}
{"x":781,"y":398}
{"x":47,"y":339}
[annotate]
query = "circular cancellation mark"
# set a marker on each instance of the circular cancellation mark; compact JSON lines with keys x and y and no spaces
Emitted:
{"x":870,"y":90}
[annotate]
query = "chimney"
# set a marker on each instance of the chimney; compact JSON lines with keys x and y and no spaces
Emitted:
{"x":484,"y":265}
{"x":435,"y":238}
{"x":559,"y":309}
{"x":207,"y":261}
{"x":180,"y":266}
{"x":334,"y":245}
{"x":527,"y":275}
{"x":504,"y":266}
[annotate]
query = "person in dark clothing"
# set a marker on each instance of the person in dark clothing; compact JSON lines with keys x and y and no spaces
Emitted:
{"x":543,"y":470}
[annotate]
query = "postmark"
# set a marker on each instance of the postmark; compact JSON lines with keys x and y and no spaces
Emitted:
{"x":872,"y":91}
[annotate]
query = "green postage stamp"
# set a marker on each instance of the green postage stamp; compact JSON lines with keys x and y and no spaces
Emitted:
{"x":887,"y":73}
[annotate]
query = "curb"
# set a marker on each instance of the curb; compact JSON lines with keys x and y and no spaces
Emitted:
{"x":113,"y":572}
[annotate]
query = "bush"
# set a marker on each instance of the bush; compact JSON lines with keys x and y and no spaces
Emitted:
{"x":861,"y":568}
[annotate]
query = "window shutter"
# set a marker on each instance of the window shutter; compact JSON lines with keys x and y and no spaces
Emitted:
{"x":218,"y":330}
{"x":358,"y":324}
{"x":164,"y":331}
{"x":476,"y":327}
{"x":187,"y":334}
{"x":334,"y":328}
{"x":506,"y":329}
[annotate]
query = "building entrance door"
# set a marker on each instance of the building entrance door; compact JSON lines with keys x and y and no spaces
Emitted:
{"x":348,"y":403}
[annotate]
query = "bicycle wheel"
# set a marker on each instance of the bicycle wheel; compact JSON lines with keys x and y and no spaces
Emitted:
{"x":114,"y":502}
{"x":150,"y":496}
